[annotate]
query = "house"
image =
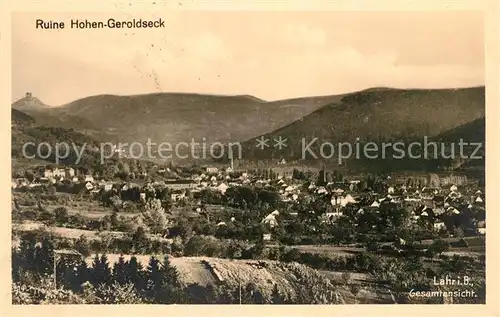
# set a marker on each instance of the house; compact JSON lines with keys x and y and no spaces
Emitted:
{"x":270,"y":219}
{"x":106,"y":186}
{"x":20,"y":173}
{"x":89,"y":186}
{"x":88,"y":178}
{"x":332,"y":215}
{"x":338,"y":191}
{"x":342,"y":200}
{"x":266,"y":237}
{"x":59,"y":172}
{"x":410,"y":179}
{"x":284,"y":172}
{"x":453,"y":195}
{"x":481,"y":227}
{"x":56,"y":172}
{"x":177,"y":195}
{"x":211,"y":170}
{"x":439,"y":225}
{"x":48,"y":173}
{"x":321,"y":190}
{"x":424,"y":210}
{"x":222,"y":188}
{"x":21,"y":182}
{"x":69,"y":172}
{"x":452,"y":210}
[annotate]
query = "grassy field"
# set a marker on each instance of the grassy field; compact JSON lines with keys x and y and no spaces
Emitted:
{"x":23,"y":164}
{"x":92,"y":210}
{"x":331,"y":250}
{"x":69,"y":233}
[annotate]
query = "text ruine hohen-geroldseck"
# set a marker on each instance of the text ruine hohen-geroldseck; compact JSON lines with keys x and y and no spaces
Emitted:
{"x":110,"y":23}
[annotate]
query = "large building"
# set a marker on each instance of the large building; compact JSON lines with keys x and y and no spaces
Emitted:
{"x":181,"y":184}
{"x":433,"y":180}
{"x":452,"y":179}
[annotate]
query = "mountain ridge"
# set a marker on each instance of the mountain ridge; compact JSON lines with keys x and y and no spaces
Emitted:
{"x":177,"y":117}
{"x":374,"y":116}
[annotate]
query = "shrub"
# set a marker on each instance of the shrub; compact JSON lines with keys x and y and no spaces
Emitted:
{"x":345,"y":278}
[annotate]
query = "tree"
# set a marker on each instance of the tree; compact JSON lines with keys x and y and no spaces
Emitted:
{"x":117,"y":294}
{"x":252,"y":295}
{"x":346,"y":278}
{"x":170,"y":272}
{"x":439,"y":246}
{"x":182,"y":228}
{"x":154,"y":280}
{"x":163,"y":285}
{"x":134,"y":274}
{"x":61,"y":215}
{"x":101,"y":273}
{"x":458,"y":232}
{"x":276,"y":297}
{"x":322,"y":178}
{"x":27,"y":252}
{"x":271,"y":198}
{"x":171,"y":286}
{"x":47,"y":217}
{"x":120,"y":271}
{"x":44,"y":257}
{"x":258,"y":248}
{"x":154,"y":216}
{"x":124,"y":168}
{"x":113,"y":219}
{"x":82,"y":245}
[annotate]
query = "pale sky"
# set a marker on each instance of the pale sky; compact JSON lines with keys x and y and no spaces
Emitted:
{"x":271,"y":55}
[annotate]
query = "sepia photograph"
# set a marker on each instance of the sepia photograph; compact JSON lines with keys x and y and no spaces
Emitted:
{"x":248,"y":157}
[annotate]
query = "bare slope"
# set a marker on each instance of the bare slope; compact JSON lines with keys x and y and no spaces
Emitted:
{"x":292,"y":279}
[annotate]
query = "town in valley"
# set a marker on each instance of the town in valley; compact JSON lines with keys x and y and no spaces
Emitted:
{"x":294,"y":194}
